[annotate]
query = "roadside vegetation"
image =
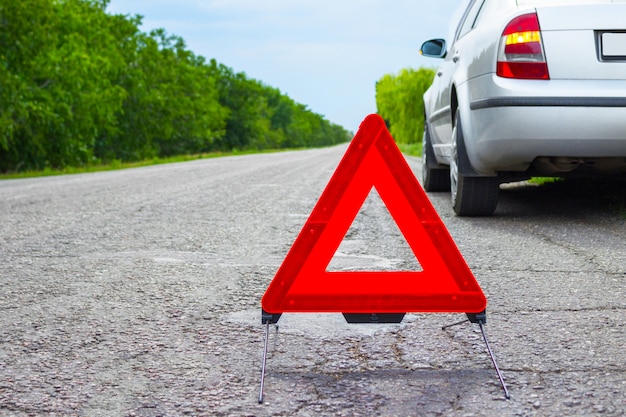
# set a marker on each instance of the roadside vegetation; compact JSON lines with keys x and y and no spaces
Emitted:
{"x":117,"y":164}
{"x":80,"y":87}
{"x":399,"y":101}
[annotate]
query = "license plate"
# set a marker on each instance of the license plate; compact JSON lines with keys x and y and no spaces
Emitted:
{"x":614,"y":45}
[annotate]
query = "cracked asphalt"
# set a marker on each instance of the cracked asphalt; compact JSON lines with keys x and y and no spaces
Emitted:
{"x":137,"y":293}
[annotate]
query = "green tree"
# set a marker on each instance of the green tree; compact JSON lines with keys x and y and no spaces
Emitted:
{"x":172,"y":102}
{"x":399,"y":102}
{"x":247,"y":106}
{"x":78,"y":85}
{"x":58,"y":63}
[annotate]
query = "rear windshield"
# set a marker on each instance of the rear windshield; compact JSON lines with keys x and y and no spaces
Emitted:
{"x":557,"y":2}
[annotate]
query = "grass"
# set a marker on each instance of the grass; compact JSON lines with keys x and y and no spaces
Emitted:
{"x":117,"y":164}
{"x":544,"y":180}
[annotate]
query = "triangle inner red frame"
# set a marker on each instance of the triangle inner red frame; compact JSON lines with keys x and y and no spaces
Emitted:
{"x":303,"y":284}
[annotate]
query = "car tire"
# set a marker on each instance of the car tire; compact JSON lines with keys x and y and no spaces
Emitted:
{"x":435,"y":177}
{"x":471,"y":195}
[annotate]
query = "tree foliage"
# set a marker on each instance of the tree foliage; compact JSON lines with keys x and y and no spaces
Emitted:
{"x":399,"y":102}
{"x":79,"y":85}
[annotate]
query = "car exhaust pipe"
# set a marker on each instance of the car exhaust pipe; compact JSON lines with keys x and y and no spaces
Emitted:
{"x":560,"y":164}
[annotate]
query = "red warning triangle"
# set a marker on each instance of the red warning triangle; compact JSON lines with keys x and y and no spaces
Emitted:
{"x":303,"y":284}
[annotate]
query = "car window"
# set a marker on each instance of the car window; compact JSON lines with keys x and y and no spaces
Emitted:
{"x":471,"y":18}
{"x":457,"y":18}
{"x":480,"y":14}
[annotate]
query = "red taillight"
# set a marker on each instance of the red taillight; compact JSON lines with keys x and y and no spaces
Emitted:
{"x":521,"y":50}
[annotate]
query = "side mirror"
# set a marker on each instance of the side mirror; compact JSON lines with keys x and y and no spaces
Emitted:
{"x":434,"y":48}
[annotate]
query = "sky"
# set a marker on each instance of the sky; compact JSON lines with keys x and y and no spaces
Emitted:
{"x":325,"y":54}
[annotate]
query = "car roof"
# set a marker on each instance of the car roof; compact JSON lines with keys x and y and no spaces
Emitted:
{"x":497,"y":7}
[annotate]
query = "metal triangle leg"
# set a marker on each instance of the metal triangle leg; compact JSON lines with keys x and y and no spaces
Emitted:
{"x":481,"y":319}
{"x":493,"y":360}
{"x":267,"y":319}
{"x":267,"y":336}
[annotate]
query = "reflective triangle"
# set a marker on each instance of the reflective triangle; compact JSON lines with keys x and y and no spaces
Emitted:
{"x":303,"y":284}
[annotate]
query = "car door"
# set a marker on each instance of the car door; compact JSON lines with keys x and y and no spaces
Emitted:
{"x":441,"y":117}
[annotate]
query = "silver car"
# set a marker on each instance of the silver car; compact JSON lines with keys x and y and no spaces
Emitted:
{"x":526,"y":88}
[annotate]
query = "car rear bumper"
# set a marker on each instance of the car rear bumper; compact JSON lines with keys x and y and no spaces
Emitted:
{"x":515,"y":123}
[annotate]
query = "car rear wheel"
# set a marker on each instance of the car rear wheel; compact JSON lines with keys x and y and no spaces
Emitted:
{"x":435,"y":177}
{"x":471,"y":195}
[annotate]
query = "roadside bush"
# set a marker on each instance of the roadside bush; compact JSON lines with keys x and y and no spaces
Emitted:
{"x":399,"y":101}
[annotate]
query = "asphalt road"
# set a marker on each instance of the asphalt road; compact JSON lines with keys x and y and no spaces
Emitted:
{"x":137,"y":293}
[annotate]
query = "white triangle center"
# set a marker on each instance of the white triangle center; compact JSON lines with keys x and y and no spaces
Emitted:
{"x":374,"y":242}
